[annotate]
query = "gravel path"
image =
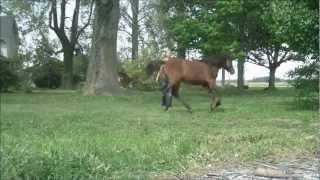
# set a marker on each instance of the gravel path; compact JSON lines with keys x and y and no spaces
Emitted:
{"x":292,"y":170}
{"x":302,"y":169}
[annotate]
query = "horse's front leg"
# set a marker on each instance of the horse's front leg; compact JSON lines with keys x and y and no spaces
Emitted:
{"x":215,"y":100}
{"x":167,"y":98}
{"x":175,"y":93}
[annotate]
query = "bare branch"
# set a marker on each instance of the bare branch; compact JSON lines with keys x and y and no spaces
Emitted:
{"x":124,"y":30}
{"x":55,"y":27}
{"x":134,"y":6}
{"x":74,"y":27}
{"x":283,"y":58}
{"x":256,"y":59}
{"x":55,"y":16}
{"x":50,"y":20}
{"x":58,"y":52}
{"x":257,"y":56}
{"x":63,"y":13}
{"x":126,"y":16}
{"x":88,"y":22}
{"x":142,"y":18}
{"x":253,"y":61}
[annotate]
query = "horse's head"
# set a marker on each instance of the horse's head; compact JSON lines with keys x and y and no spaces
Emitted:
{"x":228,"y":66}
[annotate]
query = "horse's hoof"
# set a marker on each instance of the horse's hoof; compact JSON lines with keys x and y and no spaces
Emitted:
{"x":218,"y":103}
{"x":213,"y":108}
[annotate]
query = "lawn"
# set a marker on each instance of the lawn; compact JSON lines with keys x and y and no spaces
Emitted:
{"x":64,"y":135}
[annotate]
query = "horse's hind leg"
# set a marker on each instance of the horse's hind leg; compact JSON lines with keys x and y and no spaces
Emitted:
{"x":175,"y":93}
{"x":215,"y":100}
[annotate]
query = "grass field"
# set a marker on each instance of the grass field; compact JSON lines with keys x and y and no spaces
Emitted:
{"x":64,"y":135}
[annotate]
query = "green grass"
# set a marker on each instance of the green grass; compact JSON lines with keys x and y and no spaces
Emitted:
{"x":64,"y":135}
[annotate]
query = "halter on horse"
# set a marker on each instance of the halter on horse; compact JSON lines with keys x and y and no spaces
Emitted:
{"x":204,"y":73}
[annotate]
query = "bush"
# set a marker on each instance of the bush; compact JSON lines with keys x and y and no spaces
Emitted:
{"x":135,"y":75}
{"x":8,"y":78}
{"x":80,"y":66}
{"x":305,"y":79}
{"x":48,"y":75}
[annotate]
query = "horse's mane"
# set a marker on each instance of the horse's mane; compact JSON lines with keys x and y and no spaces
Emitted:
{"x":153,"y":66}
{"x":217,"y":61}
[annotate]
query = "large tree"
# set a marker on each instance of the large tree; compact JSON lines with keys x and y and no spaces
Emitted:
{"x":68,"y":36}
{"x":238,"y":19}
{"x":102,"y":78}
{"x":279,"y":21}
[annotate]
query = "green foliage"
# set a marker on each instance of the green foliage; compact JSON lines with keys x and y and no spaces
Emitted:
{"x":292,"y":23}
{"x":8,"y":78}
{"x":130,"y":137}
{"x":306,"y":81}
{"x":80,"y":66}
{"x":237,"y":27}
{"x":48,"y":74}
{"x":138,"y":78}
{"x":303,"y":26}
{"x":133,"y":73}
{"x":212,"y":28}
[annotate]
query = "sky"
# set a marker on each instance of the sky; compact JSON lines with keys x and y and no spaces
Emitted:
{"x":254,"y":71}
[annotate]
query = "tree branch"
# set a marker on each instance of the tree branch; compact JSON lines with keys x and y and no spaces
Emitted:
{"x":283,"y":58}
{"x":54,"y":11}
{"x":142,"y":18}
{"x":50,"y":20}
{"x":253,"y":61}
{"x":257,"y":59}
{"x":88,"y":22}
{"x":124,"y":30}
{"x":126,"y":16}
{"x":74,"y":27}
{"x":63,"y":13}
{"x":58,"y":52}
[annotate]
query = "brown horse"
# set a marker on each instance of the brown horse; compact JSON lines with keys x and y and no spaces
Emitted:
{"x":204,"y":73}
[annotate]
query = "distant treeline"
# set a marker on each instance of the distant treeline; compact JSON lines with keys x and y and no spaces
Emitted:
{"x":266,"y":78}
{"x":259,"y":79}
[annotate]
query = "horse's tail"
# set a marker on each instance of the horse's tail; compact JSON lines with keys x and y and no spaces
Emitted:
{"x":161,"y":74}
{"x":153,"y":66}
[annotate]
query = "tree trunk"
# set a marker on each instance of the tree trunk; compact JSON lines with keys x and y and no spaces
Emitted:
{"x":240,"y":82}
{"x":67,"y":79}
{"x":272,"y":77}
{"x":135,"y":28}
{"x":223,"y":77}
{"x":102,"y":78}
